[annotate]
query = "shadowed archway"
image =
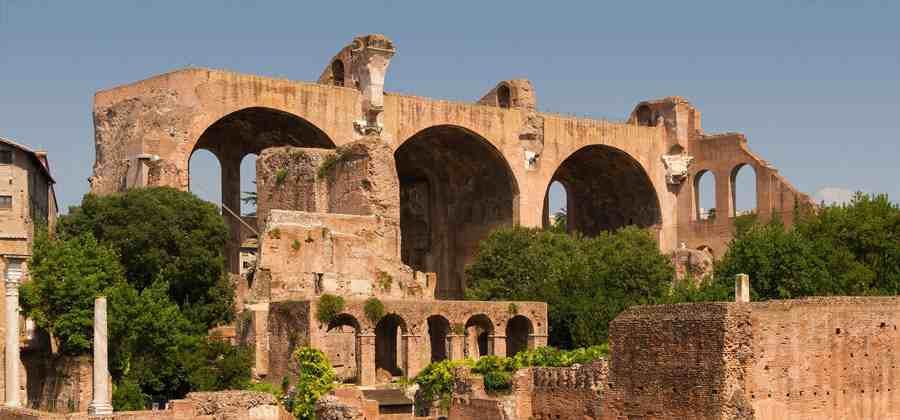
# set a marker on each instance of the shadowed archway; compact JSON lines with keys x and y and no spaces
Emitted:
{"x":607,"y":189}
{"x":455,"y":187}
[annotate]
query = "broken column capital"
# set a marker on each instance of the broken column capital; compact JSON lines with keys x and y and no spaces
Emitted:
{"x":371,"y":56}
{"x":677,"y":166}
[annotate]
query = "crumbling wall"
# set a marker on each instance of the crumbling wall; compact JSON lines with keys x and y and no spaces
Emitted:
{"x":58,"y":383}
{"x":289,"y":326}
{"x":303,"y":255}
{"x":794,"y":359}
{"x":568,"y":393}
{"x":825,"y":358}
{"x":678,"y":361}
{"x":286,"y":179}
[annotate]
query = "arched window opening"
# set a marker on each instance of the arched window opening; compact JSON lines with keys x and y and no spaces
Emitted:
{"x":205,"y":176}
{"x":249,"y":131}
{"x":606,"y":190}
{"x":503,"y":97}
{"x":337,"y":72}
{"x":438,"y":329}
{"x":248,"y":186}
{"x":479,"y":330}
{"x":341,"y":348}
{"x":518,"y":333}
{"x":743,"y":190}
{"x":389,"y":354}
{"x":705,"y":196}
{"x":645,"y":116}
{"x":455,"y":188}
{"x":556,"y":208}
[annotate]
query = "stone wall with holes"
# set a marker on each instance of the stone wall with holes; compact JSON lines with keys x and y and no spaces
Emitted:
{"x":568,"y":393}
{"x":794,"y":359}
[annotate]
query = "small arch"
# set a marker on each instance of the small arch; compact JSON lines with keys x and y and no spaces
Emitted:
{"x":645,"y":116}
{"x":556,"y":207}
{"x":479,"y":330}
{"x":518,"y":332}
{"x":389,"y":354}
{"x":337,"y":72}
{"x":204,"y":175}
{"x":438,"y":329}
{"x":705,"y":196}
{"x":504,"y":98}
{"x":744,"y":199}
{"x":248,"y":186}
{"x":341,"y":346}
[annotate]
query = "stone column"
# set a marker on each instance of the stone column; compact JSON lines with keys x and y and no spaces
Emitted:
{"x":742,"y":288}
{"x":100,"y":405}
{"x":414,"y":352}
{"x":366,"y":371}
{"x":13,"y":274}
{"x":455,"y":345}
{"x":499,"y":344}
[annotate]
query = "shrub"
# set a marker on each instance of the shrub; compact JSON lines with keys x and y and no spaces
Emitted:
{"x":436,"y":380}
{"x":127,"y":396}
{"x":265,"y":387}
{"x":281,"y":176}
{"x":374,"y":309}
{"x":329,"y":307}
{"x":217,"y":365}
{"x":315,"y":377}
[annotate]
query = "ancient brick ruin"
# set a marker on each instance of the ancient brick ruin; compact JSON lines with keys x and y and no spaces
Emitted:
{"x":369,"y":194}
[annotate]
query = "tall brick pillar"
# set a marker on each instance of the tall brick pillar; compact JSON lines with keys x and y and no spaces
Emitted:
{"x":455,"y":345}
{"x":537,"y":340}
{"x":413,"y":346}
{"x":498,"y":345}
{"x":366,"y":356}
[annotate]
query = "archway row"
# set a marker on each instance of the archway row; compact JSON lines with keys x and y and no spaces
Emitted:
{"x":742,"y":187}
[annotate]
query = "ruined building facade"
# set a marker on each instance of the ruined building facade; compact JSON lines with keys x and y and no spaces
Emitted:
{"x":363,"y":193}
{"x":27,"y":204}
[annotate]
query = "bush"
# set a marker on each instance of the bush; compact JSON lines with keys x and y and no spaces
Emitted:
{"x":436,"y":380}
{"x":329,"y":307}
{"x":315,"y":377}
{"x":217,"y":365}
{"x":265,"y":387}
{"x":127,"y":396}
{"x":374,"y":309}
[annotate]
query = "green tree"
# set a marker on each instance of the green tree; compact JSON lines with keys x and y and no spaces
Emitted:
{"x":66,"y":276}
{"x":585,"y":281}
{"x":163,"y":233}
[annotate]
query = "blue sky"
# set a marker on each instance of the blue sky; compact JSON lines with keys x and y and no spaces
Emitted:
{"x":815,"y":85}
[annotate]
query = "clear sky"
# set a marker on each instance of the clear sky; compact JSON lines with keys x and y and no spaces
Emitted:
{"x":815,"y":85}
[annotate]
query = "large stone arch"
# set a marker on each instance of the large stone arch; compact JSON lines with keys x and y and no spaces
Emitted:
{"x":249,"y":130}
{"x":608,"y":189}
{"x":455,"y":187}
{"x":479,"y":336}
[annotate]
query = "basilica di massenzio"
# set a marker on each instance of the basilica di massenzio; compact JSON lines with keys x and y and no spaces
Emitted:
{"x":364,"y":193}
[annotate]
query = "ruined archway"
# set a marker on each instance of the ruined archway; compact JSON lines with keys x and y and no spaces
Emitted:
{"x":438,"y":329}
{"x":455,"y":187}
{"x":518,"y":332}
{"x":245,"y":132}
{"x":340,"y":345}
{"x":479,"y":331}
{"x":389,"y":355}
{"x":607,"y":189}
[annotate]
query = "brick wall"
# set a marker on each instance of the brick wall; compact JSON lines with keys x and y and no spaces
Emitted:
{"x":797,"y":359}
{"x":568,"y":393}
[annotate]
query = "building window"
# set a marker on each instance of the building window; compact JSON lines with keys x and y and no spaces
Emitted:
{"x":5,"y":157}
{"x":5,"y":202}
